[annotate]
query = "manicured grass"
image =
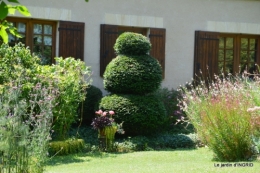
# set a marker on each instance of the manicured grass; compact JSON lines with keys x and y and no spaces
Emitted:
{"x":194,"y":160}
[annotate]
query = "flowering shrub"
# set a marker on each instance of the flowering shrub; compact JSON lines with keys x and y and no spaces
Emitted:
{"x":105,"y":119}
{"x":221,"y":114}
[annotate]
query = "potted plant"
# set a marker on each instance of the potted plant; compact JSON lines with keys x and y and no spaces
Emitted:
{"x":107,"y":127}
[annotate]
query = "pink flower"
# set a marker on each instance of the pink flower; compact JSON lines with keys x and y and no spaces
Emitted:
{"x":111,"y":112}
{"x":99,"y":112}
{"x":104,"y":114}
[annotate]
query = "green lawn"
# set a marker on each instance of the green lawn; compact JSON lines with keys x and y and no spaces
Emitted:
{"x":188,"y":161}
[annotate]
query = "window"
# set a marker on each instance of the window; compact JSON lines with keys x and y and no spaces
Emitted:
{"x":217,"y":53}
{"x":109,"y":34}
{"x":38,"y":35}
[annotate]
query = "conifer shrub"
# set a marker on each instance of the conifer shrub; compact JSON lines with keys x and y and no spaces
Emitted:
{"x":130,"y":43}
{"x":133,"y":75}
{"x":90,"y":104}
{"x":142,"y":115}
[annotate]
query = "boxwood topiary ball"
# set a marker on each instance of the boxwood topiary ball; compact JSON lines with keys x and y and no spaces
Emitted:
{"x":133,"y":75}
{"x":141,"y":115}
{"x":130,"y":43}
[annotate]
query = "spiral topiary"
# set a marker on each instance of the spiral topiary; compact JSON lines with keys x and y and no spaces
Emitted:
{"x":131,"y":77}
{"x":133,"y":74}
{"x":141,"y":115}
{"x":130,"y":43}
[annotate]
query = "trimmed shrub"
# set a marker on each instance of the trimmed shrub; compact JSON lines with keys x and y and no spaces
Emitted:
{"x":141,"y":115}
{"x":90,"y":104}
{"x":70,"y":146}
{"x":133,"y":75}
{"x":130,"y":43}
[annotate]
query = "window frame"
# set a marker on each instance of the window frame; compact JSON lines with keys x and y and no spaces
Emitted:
{"x":206,"y":51}
{"x":29,"y":32}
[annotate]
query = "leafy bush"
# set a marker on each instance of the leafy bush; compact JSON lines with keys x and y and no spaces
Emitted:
{"x":90,"y":104}
{"x":222,"y":115}
{"x":141,"y":115}
{"x":15,"y":57}
{"x":69,"y":76}
{"x":130,"y":43}
{"x":69,"y":146}
{"x":133,"y":75}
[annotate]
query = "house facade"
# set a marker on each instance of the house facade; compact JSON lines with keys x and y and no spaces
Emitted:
{"x":187,"y":36}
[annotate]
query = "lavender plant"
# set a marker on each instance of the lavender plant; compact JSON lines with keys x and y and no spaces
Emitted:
{"x":219,"y":112}
{"x":25,"y":126}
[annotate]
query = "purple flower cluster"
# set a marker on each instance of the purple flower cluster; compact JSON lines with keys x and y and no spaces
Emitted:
{"x":102,"y":120}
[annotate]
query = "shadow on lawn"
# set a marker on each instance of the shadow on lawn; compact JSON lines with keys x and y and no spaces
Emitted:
{"x":78,"y":158}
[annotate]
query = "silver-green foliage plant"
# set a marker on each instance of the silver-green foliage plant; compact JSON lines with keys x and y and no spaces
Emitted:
{"x":220,"y":112}
{"x":25,"y":125}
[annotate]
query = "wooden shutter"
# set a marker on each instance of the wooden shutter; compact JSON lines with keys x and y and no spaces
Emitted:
{"x":157,"y":39}
{"x":71,"y":39}
{"x":108,"y":36}
{"x":206,"y":54}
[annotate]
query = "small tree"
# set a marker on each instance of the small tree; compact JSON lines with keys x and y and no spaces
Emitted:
{"x":132,"y":77}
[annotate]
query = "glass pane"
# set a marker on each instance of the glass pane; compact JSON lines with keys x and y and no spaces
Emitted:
{"x":221,"y":55}
{"x":37,"y":29}
{"x":46,"y":58}
{"x":37,"y":39}
{"x":47,"y":51}
{"x":220,"y":67}
{"x":37,"y":49}
{"x":22,"y":39}
{"x":21,"y":27}
{"x":252,"y":68}
{"x":229,"y":43}
{"x":243,"y":56}
{"x":11,"y":38}
{"x":253,"y":44}
{"x":221,"y":42}
{"x":229,"y":55}
{"x":243,"y":67}
{"x":47,"y":40}
{"x":244,"y":43}
{"x":229,"y":67}
{"x":48,"y":29}
{"x":252,"y":56}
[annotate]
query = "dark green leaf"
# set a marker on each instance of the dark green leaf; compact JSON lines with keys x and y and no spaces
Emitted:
{"x":14,"y":1}
{"x":3,"y":10}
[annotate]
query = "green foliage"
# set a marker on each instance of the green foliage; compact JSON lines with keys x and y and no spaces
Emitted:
{"x":141,"y":115}
{"x":16,"y":58}
{"x":130,"y":43}
{"x":221,"y":113}
{"x":134,"y":75}
{"x":69,"y":146}
{"x":90,"y":104}
{"x":4,"y":25}
{"x":69,"y":76}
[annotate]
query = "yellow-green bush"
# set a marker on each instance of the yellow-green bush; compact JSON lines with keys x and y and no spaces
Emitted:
{"x":66,"y":147}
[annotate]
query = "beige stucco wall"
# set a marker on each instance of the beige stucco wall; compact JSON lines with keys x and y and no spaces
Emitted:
{"x":180,"y":18}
